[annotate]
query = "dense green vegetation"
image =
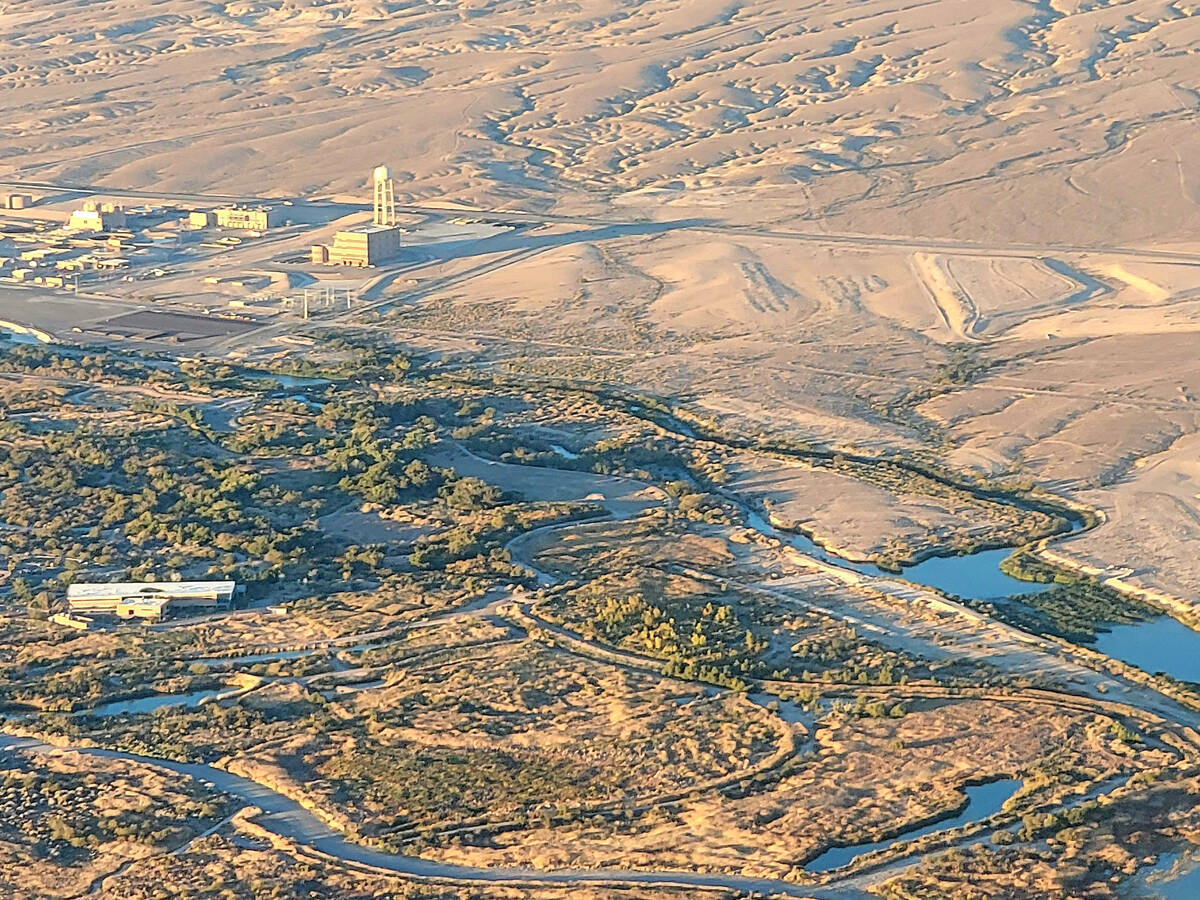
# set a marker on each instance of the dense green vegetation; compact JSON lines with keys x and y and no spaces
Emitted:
{"x":162,"y":493}
{"x":723,"y":638}
{"x":1075,"y":608}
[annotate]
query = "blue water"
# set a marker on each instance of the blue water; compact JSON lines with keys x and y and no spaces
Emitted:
{"x":983,"y":800}
{"x":18,"y":338}
{"x":976,"y":576}
{"x":1159,"y":645}
{"x":1172,"y":878}
{"x":143,"y":705}
{"x":299,"y":381}
{"x":290,"y":381}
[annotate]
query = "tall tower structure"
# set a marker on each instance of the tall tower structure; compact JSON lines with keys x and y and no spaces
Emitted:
{"x":366,"y":245}
{"x":385,"y":198}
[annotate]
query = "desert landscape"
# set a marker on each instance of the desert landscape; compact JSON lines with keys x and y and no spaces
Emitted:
{"x":642,"y":449}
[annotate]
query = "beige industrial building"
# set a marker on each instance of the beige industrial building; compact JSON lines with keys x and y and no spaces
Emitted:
{"x":251,"y":218}
{"x":16,"y":201}
{"x":97,"y":217}
{"x":199,"y":218}
{"x":367,"y":245}
{"x":148,"y":600}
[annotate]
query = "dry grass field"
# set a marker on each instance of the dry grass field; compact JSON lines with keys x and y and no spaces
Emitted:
{"x":70,"y":820}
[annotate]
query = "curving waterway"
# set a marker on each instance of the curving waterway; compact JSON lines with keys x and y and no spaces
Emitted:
{"x":974,"y":576}
{"x":285,"y":817}
{"x":143,"y":705}
{"x":983,"y":801}
{"x":1161,"y":644}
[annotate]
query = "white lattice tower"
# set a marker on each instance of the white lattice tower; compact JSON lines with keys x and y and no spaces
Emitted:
{"x":385,"y":197}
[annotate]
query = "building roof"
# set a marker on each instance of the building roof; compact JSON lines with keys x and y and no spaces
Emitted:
{"x":369,"y":228}
{"x":148,"y":589}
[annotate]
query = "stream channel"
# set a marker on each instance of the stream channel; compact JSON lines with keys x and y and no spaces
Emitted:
{"x":1161,"y":644}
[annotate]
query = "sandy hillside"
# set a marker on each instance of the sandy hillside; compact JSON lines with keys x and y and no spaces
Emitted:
{"x":1069,"y":121}
{"x":950,"y":225}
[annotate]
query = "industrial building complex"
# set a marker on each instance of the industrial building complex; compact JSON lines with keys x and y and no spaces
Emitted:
{"x":251,"y":218}
{"x":364,"y":245}
{"x":146,"y":600}
{"x":367,"y":245}
{"x":94,"y":216}
{"x":225,"y":266}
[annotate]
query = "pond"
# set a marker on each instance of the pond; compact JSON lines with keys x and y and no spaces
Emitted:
{"x":143,"y":705}
{"x":983,"y":801}
{"x":975,"y":576}
{"x":287,"y":381}
{"x":1159,"y":645}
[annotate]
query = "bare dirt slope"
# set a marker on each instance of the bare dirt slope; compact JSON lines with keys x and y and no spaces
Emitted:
{"x":946,"y":224}
{"x":1028,"y":121}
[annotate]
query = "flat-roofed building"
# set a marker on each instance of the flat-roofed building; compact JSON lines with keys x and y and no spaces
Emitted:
{"x":148,"y":600}
{"x":97,"y":219}
{"x":76,"y":264}
{"x":44,"y":255}
{"x":251,"y":218}
{"x":364,"y":245}
{"x":371,"y":244}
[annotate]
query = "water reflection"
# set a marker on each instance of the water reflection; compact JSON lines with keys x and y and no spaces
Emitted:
{"x":1158,"y":645}
{"x":983,"y":801}
{"x":143,"y":705}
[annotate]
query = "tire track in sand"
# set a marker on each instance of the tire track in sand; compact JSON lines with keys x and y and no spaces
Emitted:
{"x":953,"y":304}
